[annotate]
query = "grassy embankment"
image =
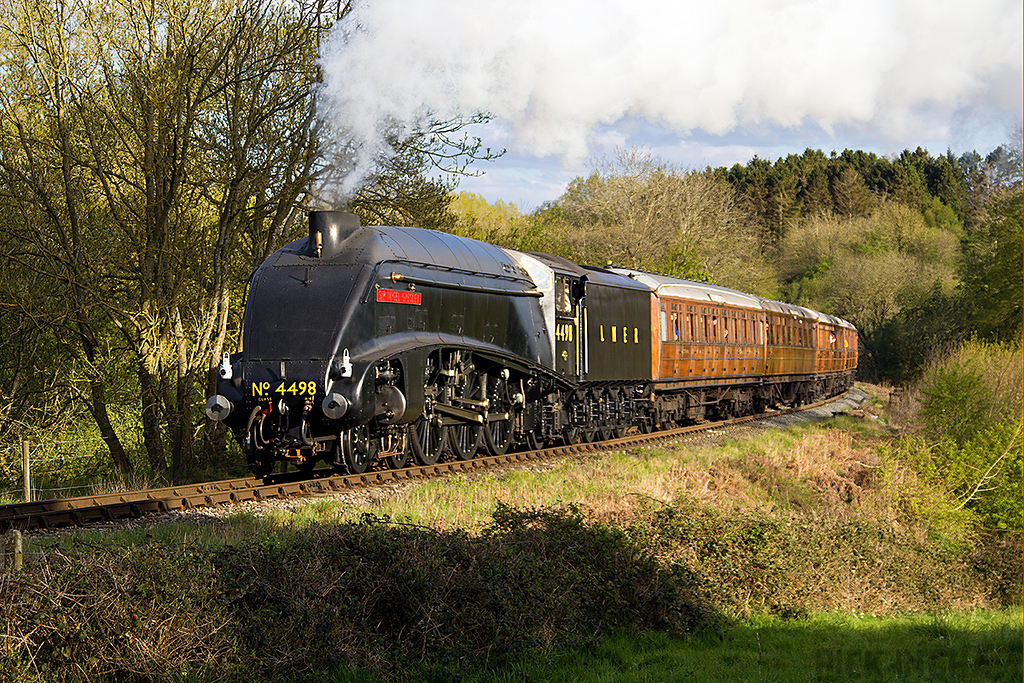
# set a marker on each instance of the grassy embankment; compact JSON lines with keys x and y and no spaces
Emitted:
{"x":811,"y":553}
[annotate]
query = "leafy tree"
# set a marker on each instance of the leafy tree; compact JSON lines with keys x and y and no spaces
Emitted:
{"x":992,"y":269}
{"x":851,"y":194}
{"x":815,"y":195}
{"x":413,"y":181}
{"x":878,"y":272}
{"x":499,"y":223}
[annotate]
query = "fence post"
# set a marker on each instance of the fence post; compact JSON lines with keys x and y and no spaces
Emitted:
{"x":14,"y":548}
{"x":26,"y":471}
{"x":18,"y":548}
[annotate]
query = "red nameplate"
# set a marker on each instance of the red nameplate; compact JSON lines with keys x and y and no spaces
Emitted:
{"x":393,"y":296}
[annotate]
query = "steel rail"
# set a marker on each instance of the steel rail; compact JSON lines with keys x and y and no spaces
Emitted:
{"x":109,"y":507}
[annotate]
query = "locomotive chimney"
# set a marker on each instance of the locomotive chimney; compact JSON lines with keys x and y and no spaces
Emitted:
{"x":327,"y":231}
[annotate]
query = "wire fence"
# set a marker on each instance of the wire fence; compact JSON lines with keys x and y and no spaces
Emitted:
{"x":17,"y":553}
{"x":54,"y":467}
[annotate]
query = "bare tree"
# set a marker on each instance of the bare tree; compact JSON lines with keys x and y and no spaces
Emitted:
{"x":136,"y":145}
{"x":635,"y":210}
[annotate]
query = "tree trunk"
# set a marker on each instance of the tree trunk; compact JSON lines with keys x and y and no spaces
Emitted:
{"x":98,"y":409}
{"x":149,"y":397}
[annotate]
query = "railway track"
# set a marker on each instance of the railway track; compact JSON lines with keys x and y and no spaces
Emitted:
{"x":86,"y":510}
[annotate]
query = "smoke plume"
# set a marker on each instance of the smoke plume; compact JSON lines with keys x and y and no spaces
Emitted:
{"x":554,"y":70}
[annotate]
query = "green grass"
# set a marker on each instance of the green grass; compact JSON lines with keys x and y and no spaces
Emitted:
{"x":979,"y":646}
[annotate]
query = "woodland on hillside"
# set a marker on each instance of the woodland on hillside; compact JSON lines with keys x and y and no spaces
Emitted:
{"x":151,"y":156}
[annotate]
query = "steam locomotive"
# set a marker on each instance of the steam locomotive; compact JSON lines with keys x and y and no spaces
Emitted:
{"x":368,"y":346}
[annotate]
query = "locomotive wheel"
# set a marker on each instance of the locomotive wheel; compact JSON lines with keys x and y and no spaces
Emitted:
{"x":571,"y":436}
{"x":427,"y":441}
{"x":465,"y":440}
{"x":533,"y":441}
{"x":498,"y":432}
{"x":498,"y":437}
{"x":358,"y":449}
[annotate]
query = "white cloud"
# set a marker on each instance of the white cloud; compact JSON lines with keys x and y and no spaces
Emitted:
{"x":561,"y":74}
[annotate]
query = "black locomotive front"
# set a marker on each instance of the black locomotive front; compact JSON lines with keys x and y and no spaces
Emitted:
{"x":350,"y":334}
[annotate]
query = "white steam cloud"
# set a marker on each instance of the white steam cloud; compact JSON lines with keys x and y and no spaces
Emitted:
{"x":554,"y":70}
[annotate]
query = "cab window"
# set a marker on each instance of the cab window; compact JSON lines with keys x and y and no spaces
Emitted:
{"x":563,"y":295}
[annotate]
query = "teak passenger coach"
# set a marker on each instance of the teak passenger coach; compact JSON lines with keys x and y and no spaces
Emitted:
{"x":376,"y":344}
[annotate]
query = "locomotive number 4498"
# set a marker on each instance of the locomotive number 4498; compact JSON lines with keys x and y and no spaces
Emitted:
{"x":268,"y":389}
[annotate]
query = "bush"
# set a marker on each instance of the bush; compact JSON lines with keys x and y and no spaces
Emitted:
{"x":140,"y":614}
{"x":378,"y":595}
{"x":745,"y":563}
{"x":388,"y":596}
{"x":985,"y":473}
{"x":971,"y":412}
